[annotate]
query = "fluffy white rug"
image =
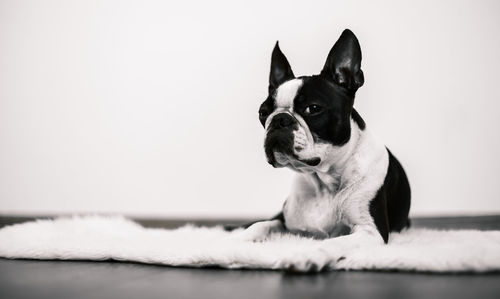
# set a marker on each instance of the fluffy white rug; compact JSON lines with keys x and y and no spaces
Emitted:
{"x":103,"y":238}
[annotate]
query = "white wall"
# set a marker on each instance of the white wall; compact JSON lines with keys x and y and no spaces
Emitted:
{"x":150,"y":108}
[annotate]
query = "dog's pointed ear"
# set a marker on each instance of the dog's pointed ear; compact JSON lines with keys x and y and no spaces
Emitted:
{"x":280,"y":69}
{"x":343,"y":64}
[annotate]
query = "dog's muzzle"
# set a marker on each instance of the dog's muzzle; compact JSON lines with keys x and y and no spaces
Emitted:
{"x":279,"y":143}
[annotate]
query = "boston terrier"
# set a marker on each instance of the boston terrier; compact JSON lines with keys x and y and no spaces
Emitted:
{"x":349,"y":188}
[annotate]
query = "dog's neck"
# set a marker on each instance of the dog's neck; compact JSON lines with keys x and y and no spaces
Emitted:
{"x":340,"y":168}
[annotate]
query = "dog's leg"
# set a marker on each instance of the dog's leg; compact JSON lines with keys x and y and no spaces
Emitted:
{"x":230,"y":227}
{"x":361,"y":236}
{"x":259,"y":230}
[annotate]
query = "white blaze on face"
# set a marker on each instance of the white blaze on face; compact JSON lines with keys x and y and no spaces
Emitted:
{"x":286,"y":93}
{"x":284,"y":96}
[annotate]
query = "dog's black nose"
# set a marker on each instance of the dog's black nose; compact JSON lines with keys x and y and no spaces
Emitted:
{"x":283,"y":120}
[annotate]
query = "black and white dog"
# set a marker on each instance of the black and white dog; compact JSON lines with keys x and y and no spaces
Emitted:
{"x":349,"y":188}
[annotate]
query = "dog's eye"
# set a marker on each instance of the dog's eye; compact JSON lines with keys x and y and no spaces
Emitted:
{"x":313,"y":110}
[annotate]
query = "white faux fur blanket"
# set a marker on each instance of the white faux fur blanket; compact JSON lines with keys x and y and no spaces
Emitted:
{"x":116,"y":238}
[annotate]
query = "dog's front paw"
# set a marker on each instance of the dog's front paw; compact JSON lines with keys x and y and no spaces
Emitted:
{"x":313,"y":260}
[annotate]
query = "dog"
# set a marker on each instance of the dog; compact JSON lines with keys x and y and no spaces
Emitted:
{"x":349,"y":188}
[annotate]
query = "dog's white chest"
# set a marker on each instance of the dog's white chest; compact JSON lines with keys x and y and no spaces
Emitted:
{"x":318,"y":215}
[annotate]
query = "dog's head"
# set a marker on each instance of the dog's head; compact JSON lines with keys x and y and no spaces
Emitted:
{"x":307,"y":118}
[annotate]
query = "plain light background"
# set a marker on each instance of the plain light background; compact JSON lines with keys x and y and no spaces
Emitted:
{"x":149,"y":108}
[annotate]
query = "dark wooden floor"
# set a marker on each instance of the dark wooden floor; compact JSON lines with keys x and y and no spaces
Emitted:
{"x":82,"y":279}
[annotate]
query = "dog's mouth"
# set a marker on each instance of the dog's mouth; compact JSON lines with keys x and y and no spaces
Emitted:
{"x":283,"y":160}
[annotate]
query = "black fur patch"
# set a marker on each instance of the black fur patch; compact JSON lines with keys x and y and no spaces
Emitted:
{"x":333,"y":123}
{"x":358,"y":119}
{"x":390,"y":207}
